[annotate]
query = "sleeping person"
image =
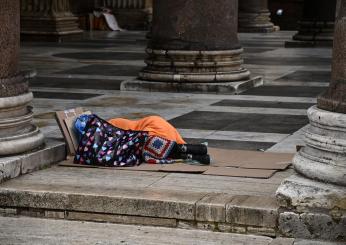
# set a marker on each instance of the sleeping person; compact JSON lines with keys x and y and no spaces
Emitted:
{"x":123,"y":142}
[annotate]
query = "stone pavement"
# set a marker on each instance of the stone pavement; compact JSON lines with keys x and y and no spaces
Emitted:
{"x":39,"y":231}
{"x":89,"y":72}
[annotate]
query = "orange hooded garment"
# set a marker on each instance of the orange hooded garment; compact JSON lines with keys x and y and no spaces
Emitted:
{"x":154,"y":125}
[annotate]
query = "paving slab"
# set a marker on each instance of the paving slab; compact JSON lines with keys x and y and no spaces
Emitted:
{"x":267,"y":104}
{"x":286,"y":91}
{"x":75,"y":83}
{"x":231,"y":121}
{"x":105,"y":70}
{"x":46,"y":231}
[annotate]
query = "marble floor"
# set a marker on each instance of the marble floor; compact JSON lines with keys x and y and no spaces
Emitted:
{"x":88,"y":73}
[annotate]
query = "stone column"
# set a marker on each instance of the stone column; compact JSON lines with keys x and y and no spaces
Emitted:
{"x":17,"y":134}
{"x":49,"y":20}
{"x":314,"y":200}
{"x":194,"y":41}
{"x":254,"y":16}
{"x":317,"y":24}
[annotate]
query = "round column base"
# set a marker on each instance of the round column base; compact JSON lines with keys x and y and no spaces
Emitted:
{"x":17,"y":134}
{"x":21,"y":143}
{"x":324,"y":157}
{"x":194,"y":66}
{"x":255,"y":22}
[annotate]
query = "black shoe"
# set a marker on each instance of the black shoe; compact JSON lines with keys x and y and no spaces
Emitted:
{"x":194,"y":149}
{"x":202,"y":159}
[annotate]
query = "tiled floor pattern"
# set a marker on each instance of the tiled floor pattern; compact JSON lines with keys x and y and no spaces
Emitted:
{"x":88,"y":73}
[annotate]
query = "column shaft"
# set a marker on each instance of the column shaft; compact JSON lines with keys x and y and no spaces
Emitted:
{"x":17,"y":134}
{"x":335,"y":97}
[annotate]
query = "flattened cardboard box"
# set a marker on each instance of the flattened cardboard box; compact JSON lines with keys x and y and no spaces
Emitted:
{"x":65,"y":120}
{"x":250,"y":159}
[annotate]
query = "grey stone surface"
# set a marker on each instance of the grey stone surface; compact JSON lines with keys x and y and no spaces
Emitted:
{"x":139,"y":202}
{"x":286,"y":91}
{"x":312,"y":226}
{"x":304,"y":194}
{"x":315,"y":242}
{"x":263,"y":231}
{"x":282,"y":241}
{"x":252,"y":211}
{"x":75,"y":83}
{"x":108,"y":70}
{"x":290,"y":225}
{"x":11,"y":167}
{"x":39,"y":231}
{"x":265,"y":104}
{"x":230,"y":121}
{"x":122,"y":219}
{"x":65,"y":96}
{"x":213,"y":207}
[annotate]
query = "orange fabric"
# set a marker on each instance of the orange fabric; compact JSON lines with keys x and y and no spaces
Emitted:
{"x":154,"y":125}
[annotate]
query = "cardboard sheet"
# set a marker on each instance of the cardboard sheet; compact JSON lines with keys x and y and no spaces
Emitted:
{"x":240,"y":172}
{"x":60,"y":117}
{"x":250,"y":159}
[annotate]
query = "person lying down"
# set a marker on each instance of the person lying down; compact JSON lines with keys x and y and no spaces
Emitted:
{"x":123,"y":142}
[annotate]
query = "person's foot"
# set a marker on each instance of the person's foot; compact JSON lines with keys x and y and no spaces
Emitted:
{"x":194,"y":149}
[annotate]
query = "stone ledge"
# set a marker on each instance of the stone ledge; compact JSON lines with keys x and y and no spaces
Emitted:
{"x":253,"y":211}
{"x":14,"y":166}
{"x":220,"y":88}
{"x":186,"y":210}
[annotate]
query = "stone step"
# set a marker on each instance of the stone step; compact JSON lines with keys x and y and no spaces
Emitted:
{"x":26,"y":230}
{"x":101,"y":200}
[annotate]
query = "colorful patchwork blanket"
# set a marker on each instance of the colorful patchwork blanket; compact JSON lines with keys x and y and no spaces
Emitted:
{"x":103,"y":144}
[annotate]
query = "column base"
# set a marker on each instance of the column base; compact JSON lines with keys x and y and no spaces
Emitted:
{"x":16,"y":121}
{"x":51,"y":152}
{"x":49,"y":29}
{"x":255,"y":22}
{"x":324,"y":157}
{"x":312,"y":209}
{"x":313,"y":34}
{"x":190,"y":66}
{"x":220,"y":87}
{"x":313,"y":203}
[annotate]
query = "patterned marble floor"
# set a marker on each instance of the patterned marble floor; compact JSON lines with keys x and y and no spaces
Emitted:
{"x":88,"y":73}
